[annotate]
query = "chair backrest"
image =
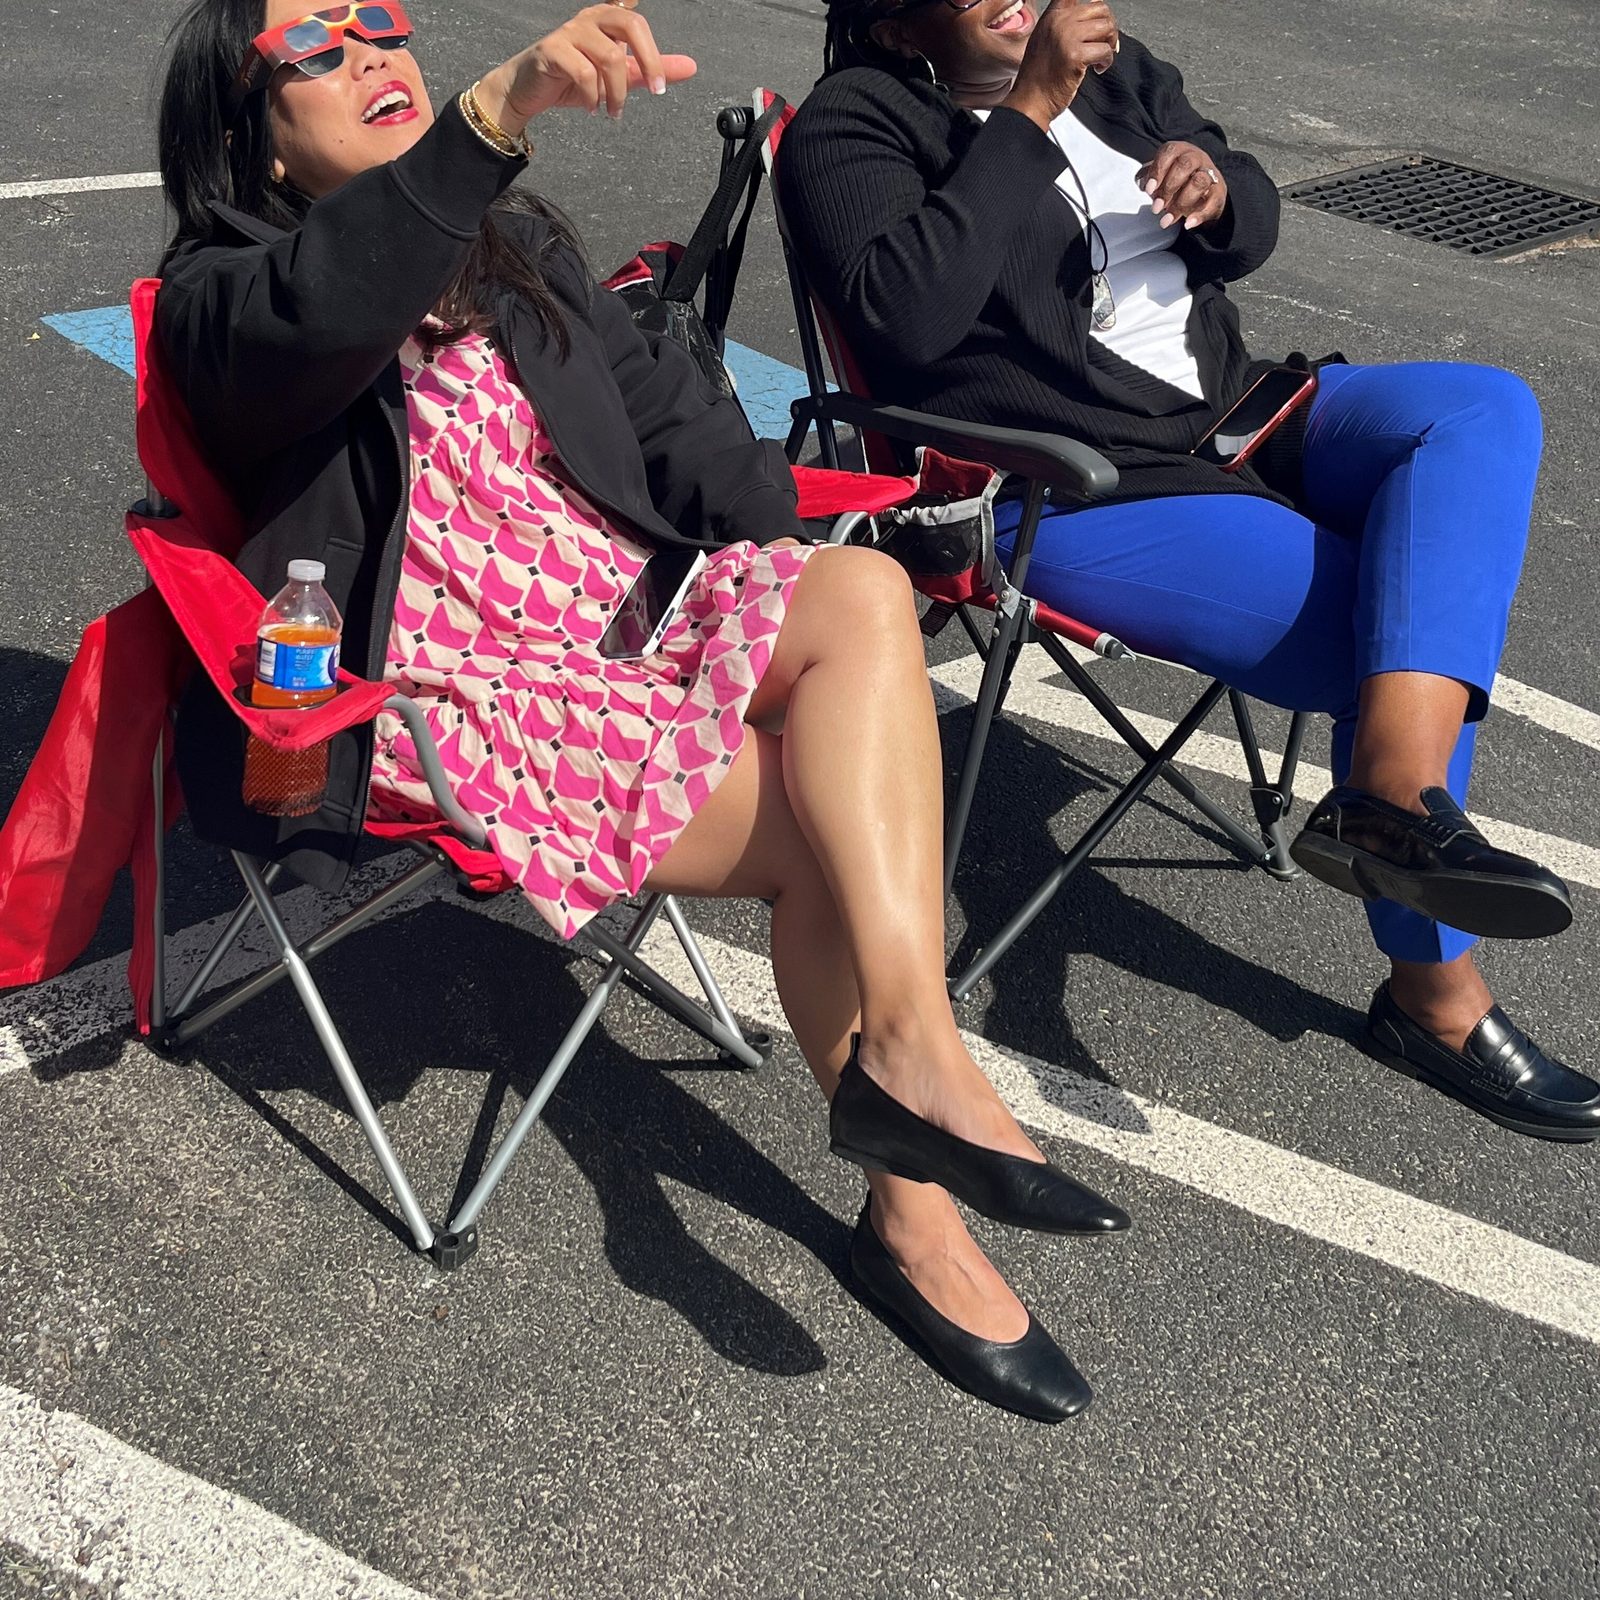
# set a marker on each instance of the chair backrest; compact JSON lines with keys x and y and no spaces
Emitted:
{"x":818,"y":329}
{"x":169,"y":448}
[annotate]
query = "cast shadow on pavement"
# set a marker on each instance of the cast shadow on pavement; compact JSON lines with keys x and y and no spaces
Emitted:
{"x":1010,"y":847}
{"x":625,"y":1123}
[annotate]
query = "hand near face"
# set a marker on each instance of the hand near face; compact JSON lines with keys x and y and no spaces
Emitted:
{"x":1184,"y":185}
{"x":1069,"y":41}
{"x":595,"y":59}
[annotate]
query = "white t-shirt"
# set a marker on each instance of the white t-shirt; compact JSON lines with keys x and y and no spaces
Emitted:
{"x":1148,"y":279}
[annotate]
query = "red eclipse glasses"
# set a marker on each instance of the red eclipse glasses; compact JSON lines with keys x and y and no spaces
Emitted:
{"x":315,"y":44}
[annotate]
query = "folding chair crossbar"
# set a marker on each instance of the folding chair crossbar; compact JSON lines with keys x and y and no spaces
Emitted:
{"x":1268,"y":849}
{"x":451,"y":1246}
{"x":1056,"y":880}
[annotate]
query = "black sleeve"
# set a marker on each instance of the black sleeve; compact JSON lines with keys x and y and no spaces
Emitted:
{"x":708,"y":476}
{"x":908,"y":260}
{"x":1246,"y":233}
{"x":270,"y":342}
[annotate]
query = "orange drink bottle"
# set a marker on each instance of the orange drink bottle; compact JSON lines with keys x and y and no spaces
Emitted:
{"x":297,"y":657}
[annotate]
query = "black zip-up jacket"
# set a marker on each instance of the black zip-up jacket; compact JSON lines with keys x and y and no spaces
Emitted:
{"x":960,"y":276}
{"x":285,"y":345}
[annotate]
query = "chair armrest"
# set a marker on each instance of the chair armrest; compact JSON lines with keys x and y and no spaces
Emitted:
{"x":416,"y":724}
{"x":1049,"y":458}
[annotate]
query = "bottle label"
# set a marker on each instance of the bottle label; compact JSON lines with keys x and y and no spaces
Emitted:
{"x":296,"y":668}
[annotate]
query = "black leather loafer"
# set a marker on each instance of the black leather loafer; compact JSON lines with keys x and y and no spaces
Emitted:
{"x":1439,"y":865}
{"x":1502,"y":1073}
{"x":871,"y":1128}
{"x":1031,"y":1375}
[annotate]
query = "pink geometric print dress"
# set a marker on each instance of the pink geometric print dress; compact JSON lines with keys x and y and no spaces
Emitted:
{"x":583,"y":770}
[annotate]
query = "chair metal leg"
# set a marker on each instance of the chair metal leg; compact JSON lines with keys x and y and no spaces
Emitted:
{"x":1248,"y":844}
{"x":299,"y":974}
{"x":731,"y":1042}
{"x":1270,"y":801}
{"x":158,"y":976}
{"x":1003,"y":645}
{"x":556,"y":1067}
{"x":1052,"y":885}
{"x":226,"y":940}
{"x":761,"y":1043}
{"x":184,"y":1028}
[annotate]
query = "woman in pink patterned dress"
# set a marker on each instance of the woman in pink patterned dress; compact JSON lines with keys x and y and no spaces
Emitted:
{"x":409,"y":373}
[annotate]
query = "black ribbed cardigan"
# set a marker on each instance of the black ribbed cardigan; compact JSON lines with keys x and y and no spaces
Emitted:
{"x":960,"y":276}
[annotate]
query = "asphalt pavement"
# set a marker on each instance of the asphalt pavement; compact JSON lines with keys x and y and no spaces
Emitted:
{"x":1350,"y":1348}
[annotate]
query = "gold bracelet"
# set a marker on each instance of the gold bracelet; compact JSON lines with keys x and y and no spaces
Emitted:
{"x":488,"y":130}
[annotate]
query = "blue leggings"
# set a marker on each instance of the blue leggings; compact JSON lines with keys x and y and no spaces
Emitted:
{"x":1420,"y":478}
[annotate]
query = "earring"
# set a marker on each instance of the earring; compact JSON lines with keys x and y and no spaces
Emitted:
{"x":927,"y":67}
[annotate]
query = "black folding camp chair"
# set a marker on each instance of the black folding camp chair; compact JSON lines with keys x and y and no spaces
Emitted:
{"x":1046,"y":468}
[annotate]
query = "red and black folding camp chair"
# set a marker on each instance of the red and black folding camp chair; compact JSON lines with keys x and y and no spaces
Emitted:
{"x":1048,"y":468}
{"x":186,"y":531}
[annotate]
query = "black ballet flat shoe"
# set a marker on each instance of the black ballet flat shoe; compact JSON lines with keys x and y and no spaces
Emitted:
{"x":1502,"y":1074}
{"x":1439,"y":865}
{"x":1031,"y":1375}
{"x":871,"y":1128}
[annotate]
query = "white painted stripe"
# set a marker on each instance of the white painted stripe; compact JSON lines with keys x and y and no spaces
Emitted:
{"x":48,"y":1018}
{"x":1415,"y":1236}
{"x":1033,"y":696}
{"x":48,"y":186}
{"x":1559,"y":716}
{"x":100,"y":1513}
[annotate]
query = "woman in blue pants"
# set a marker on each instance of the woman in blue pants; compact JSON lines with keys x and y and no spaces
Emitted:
{"x":1021,"y":220}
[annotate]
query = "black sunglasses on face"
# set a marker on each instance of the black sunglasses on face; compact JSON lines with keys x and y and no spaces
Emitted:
{"x":957,"y":6}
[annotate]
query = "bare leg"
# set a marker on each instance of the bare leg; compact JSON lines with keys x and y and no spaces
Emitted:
{"x":862,"y":770}
{"x":1407,"y":729}
{"x":746,"y":842}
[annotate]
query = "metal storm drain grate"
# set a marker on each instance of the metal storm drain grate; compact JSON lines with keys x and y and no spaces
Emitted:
{"x":1478,"y":213}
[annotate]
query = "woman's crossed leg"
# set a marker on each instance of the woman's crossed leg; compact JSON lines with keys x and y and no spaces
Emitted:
{"x":836,"y":820}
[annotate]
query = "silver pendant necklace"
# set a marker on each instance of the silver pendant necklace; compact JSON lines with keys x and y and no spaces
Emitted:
{"x":1102,"y":304}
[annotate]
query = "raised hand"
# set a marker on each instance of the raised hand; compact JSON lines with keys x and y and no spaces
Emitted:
{"x":1069,"y":41}
{"x":595,"y":59}
{"x":1184,"y":185}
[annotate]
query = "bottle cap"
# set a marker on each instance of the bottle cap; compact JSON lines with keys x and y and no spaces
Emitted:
{"x":307,"y":572}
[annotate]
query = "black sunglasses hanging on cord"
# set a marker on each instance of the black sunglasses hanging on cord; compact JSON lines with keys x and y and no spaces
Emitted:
{"x":1103,"y":306}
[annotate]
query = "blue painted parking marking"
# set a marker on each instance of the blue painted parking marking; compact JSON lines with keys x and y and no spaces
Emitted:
{"x":766,"y":387}
{"x":106,"y":332}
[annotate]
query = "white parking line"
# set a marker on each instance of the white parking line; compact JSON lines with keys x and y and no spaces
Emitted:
{"x":1386,"y":1225}
{"x":38,"y":189}
{"x":98,"y":1512}
{"x":1559,"y":716}
{"x":49,"y":1018}
{"x":1033,"y":695}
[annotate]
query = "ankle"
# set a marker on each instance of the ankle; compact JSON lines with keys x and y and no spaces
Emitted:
{"x":916,"y":1222}
{"x":1400,"y":790}
{"x":1449,"y":1000}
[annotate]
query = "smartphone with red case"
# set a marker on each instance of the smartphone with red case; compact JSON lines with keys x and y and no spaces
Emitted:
{"x":1249,"y":422}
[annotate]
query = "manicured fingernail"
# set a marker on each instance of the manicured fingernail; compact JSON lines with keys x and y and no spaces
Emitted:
{"x":1157,"y":207}
{"x":1167,"y":221}
{"x":658,"y":86}
{"x":1150,"y":187}
{"x":1191,"y":222}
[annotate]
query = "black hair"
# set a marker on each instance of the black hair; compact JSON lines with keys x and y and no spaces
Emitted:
{"x":848,"y":42}
{"x":209,"y":152}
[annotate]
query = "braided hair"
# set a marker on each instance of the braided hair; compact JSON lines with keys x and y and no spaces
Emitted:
{"x":848,"y":43}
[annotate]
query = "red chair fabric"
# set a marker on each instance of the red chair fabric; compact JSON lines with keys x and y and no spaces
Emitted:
{"x":85,"y":807}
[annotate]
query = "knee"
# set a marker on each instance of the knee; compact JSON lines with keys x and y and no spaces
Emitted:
{"x":868,"y":590}
{"x":1500,"y":401}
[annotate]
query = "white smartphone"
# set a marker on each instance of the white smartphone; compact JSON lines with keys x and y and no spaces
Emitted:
{"x":644,"y":613}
